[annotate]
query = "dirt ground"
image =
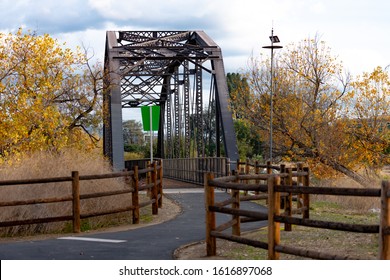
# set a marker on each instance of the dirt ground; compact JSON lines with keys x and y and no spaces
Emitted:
{"x":197,"y":251}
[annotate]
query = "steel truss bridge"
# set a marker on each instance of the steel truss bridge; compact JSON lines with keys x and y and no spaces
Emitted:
{"x":183,"y":73}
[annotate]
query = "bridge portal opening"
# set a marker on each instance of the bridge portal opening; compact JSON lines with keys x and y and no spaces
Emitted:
{"x":183,"y":73}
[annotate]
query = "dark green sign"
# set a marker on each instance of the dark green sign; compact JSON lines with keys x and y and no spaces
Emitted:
{"x":145,"y":110}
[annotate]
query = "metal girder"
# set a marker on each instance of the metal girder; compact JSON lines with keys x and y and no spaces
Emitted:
{"x":160,"y":67}
{"x":199,"y":111}
{"x":186,"y":93}
{"x":224,"y":115}
{"x":113,"y":145}
{"x":169,"y":127}
{"x":177,"y":118}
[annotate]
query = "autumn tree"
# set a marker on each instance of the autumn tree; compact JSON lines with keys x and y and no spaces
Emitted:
{"x":49,"y":94}
{"x":367,"y":113}
{"x":249,"y":144}
{"x":239,"y":93}
{"x":133,"y":136}
{"x":314,"y":103}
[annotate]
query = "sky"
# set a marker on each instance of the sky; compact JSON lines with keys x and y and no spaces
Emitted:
{"x":355,"y":30}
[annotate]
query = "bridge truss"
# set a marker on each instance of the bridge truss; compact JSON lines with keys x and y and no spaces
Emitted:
{"x":183,"y":73}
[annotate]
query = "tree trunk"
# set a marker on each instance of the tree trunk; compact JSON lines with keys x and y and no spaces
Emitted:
{"x":363,"y":181}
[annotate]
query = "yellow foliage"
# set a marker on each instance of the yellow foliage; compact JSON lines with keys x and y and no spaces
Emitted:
{"x":319,"y":115}
{"x":39,"y":80}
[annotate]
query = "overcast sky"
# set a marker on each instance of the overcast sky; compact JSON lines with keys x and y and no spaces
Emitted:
{"x":356,"y":30}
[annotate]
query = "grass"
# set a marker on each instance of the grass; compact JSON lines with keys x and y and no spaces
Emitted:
{"x":344,"y":209}
{"x":46,"y":164}
{"x":355,"y":245}
{"x":133,"y":155}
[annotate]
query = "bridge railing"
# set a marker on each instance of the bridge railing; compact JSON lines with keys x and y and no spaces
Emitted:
{"x":192,"y":170}
{"x":142,"y":163}
{"x":153,"y":185}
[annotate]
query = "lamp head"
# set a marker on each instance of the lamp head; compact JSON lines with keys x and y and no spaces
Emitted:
{"x":274,"y":39}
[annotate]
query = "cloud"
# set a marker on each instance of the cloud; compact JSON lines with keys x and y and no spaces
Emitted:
{"x":66,"y":16}
{"x":51,"y":17}
{"x":239,"y":27}
{"x":157,"y":14}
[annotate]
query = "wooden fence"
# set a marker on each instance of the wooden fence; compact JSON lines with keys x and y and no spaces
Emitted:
{"x":153,"y":184}
{"x":192,"y":170}
{"x":295,"y":175}
{"x":285,"y":185}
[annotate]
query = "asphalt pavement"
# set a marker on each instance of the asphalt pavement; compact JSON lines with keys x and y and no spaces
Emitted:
{"x":156,"y":242}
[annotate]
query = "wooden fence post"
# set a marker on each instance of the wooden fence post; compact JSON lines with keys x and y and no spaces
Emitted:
{"x":283,"y":200}
{"x":236,"y":228}
{"x":269,"y":167}
{"x":76,"y":202}
{"x":289,"y":199}
{"x":154,"y":190}
{"x":384,"y":227}
{"x":160,"y":185}
{"x":135,"y":196}
{"x":247,"y":166}
{"x":269,"y":171}
{"x":273,"y":209}
{"x":257,"y":171}
{"x":211,"y":245}
{"x":247,"y":171}
{"x":306,"y":196}
{"x":300,"y":183}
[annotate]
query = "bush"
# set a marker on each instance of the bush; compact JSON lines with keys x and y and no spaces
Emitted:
{"x":134,"y":148}
{"x":49,"y":164}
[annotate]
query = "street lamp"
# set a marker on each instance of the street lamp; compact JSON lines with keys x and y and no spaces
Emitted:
{"x":274,"y":39}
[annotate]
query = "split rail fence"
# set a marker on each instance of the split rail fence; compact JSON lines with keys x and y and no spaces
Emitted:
{"x":153,"y":185}
{"x":280,"y":190}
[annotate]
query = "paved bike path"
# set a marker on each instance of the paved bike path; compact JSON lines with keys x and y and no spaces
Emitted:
{"x":156,"y":242}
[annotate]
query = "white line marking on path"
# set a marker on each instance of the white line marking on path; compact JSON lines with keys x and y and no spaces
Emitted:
{"x":184,"y":190}
{"x":92,"y":239}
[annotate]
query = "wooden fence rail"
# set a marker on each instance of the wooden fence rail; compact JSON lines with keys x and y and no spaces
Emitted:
{"x":276,"y":188}
{"x":154,"y":185}
{"x":254,"y":187}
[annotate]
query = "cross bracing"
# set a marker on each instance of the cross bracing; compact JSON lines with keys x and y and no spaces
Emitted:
{"x":169,"y":69}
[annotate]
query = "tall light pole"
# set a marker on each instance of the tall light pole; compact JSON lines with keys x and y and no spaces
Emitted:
{"x":274,"y":39}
